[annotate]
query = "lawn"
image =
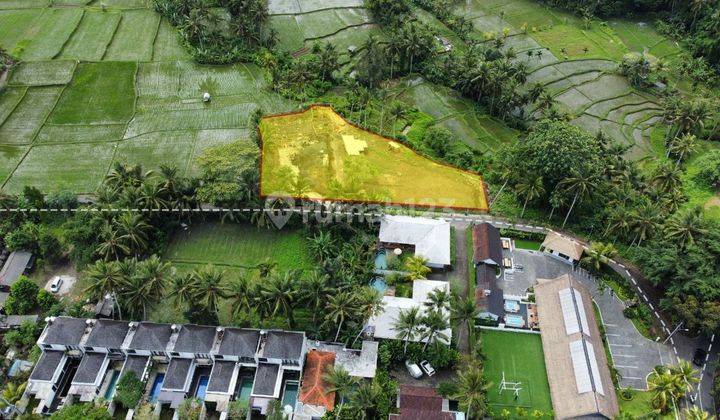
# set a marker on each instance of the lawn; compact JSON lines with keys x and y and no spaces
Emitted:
{"x":338,"y":161}
{"x":527,"y":244}
{"x":639,"y":406}
{"x":520,"y":357}
{"x":239,"y":246}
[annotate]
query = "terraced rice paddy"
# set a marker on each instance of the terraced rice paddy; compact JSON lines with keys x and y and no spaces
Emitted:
{"x":317,"y":154}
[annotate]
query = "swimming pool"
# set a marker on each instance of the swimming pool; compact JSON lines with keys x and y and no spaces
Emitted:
{"x":202,"y":387}
{"x":379,"y":284}
{"x":111,"y":387}
{"x":381,"y":260}
{"x":157,"y":384}
{"x":515,"y":321}
{"x":290,"y":394}
{"x":512,"y":306}
{"x":246,"y":385}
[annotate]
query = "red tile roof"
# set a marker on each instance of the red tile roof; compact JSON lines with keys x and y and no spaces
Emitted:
{"x":487,"y":245}
{"x":421,"y":404}
{"x":314,"y":388}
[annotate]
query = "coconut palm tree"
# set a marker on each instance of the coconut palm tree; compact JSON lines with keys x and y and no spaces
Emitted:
{"x":697,"y":413}
{"x":397,"y":111}
{"x":505,"y":173}
{"x":686,"y":226}
{"x":599,"y":254}
{"x":472,"y":392}
{"x":644,"y":221}
{"x":532,"y":188}
{"x":12,"y":393}
{"x":667,"y":178}
{"x":133,"y":231}
{"x":240,"y":293}
{"x":408,"y":325}
{"x":687,"y":374}
{"x":209,"y":287}
{"x":683,"y":146}
{"x":112,"y":245}
{"x":339,"y":308}
{"x":581,"y":186}
{"x":416,"y":267}
{"x":365,"y":398}
{"x":341,"y":383}
{"x":182,"y":288}
{"x":282,"y":291}
{"x":437,"y":300}
{"x":155,"y":274}
{"x":136,"y":296}
{"x":434,"y":324}
{"x":464,"y":311}
{"x":314,"y":291}
{"x":104,"y":278}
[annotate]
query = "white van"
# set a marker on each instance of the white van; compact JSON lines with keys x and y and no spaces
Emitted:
{"x":56,"y":284}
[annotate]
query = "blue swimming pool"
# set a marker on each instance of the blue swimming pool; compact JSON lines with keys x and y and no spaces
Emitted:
{"x":246,"y":385}
{"x":379,"y":284}
{"x":111,"y":387}
{"x":381,"y":260}
{"x":290,"y":394}
{"x":202,"y":387}
{"x":157,"y":384}
{"x":512,"y":306}
{"x":515,"y":321}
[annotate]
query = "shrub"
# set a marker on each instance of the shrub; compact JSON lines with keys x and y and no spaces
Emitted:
{"x":46,"y":300}
{"x":129,"y":390}
{"x":23,"y":297}
{"x":439,"y":355}
{"x":447,"y":388}
{"x":24,"y":336}
{"x":709,"y":169}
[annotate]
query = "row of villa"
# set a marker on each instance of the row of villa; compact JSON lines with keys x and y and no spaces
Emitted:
{"x":83,"y":359}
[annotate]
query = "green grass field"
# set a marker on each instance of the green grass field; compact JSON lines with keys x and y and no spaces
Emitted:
{"x":520,"y":357}
{"x":239,"y":246}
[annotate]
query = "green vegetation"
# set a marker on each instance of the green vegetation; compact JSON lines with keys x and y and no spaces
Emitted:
{"x":241,"y":246}
{"x":359,"y":165}
{"x":526,"y":366}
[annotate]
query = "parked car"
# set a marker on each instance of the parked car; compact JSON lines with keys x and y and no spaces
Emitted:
{"x":427,"y":368}
{"x":413,"y":369}
{"x":699,"y":357}
{"x":56,"y":284}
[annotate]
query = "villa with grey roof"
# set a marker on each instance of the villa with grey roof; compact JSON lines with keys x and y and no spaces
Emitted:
{"x":83,"y":359}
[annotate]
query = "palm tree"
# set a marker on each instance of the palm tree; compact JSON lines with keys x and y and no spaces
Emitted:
{"x":339,"y":308}
{"x":12,"y":393}
{"x":464,"y":311}
{"x":240,"y":293}
{"x":154,"y":274}
{"x":341,"y":383}
{"x":397,"y":111}
{"x":505,"y":173}
{"x":416,"y":268}
{"x":133,"y":232}
{"x":686,"y":226}
{"x":104,"y":278}
{"x":437,"y":300}
{"x":136,"y":296}
{"x":472,"y":392}
{"x":282,"y":291}
{"x":666,"y":388}
{"x":697,"y":413}
{"x":644,"y":221}
{"x":210,"y":287}
{"x":683,"y":146}
{"x":531,"y":188}
{"x":408,"y":324}
{"x":434,"y":323}
{"x":598,"y":254}
{"x":322,"y":245}
{"x":581,"y":186}
{"x":667,"y":178}
{"x":112,"y":245}
{"x":687,"y":374}
{"x":183,"y":288}
{"x":365,"y":398}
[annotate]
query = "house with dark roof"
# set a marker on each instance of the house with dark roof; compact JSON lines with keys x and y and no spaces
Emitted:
{"x":82,"y":359}
{"x":418,"y":403}
{"x":488,"y":261}
{"x":17,"y":264}
{"x":487,"y":247}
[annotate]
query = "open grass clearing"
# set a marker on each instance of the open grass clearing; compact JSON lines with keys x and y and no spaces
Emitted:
{"x":339,"y":161}
{"x":27,"y":117}
{"x":50,"y":133}
{"x":520,"y":357}
{"x":92,"y":37}
{"x":9,"y":99}
{"x":568,"y":40}
{"x":73,"y":167}
{"x":642,"y":36}
{"x":167,"y":44}
{"x":640,"y":406}
{"x":48,"y":33}
{"x":134,"y":38}
{"x":10,"y":156}
{"x":42,"y":73}
{"x":241,"y":246}
{"x":100,"y":93}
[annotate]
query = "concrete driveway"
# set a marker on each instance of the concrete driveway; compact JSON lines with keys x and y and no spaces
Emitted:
{"x":67,"y":284}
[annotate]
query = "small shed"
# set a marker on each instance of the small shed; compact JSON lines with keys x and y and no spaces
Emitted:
{"x":561,"y":247}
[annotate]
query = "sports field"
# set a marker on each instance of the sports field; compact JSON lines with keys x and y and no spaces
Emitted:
{"x":520,"y":357}
{"x":318,"y":155}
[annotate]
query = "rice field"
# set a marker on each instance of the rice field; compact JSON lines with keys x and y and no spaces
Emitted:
{"x":334,"y":160}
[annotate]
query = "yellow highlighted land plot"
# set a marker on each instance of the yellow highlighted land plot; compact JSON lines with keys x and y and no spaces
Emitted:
{"x":316,"y":154}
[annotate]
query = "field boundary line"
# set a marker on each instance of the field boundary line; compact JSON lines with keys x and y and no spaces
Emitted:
{"x":16,"y":105}
{"x":75,"y":29}
{"x":157,"y":31}
{"x":318,"y":38}
{"x":318,"y":10}
{"x":112,"y":38}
